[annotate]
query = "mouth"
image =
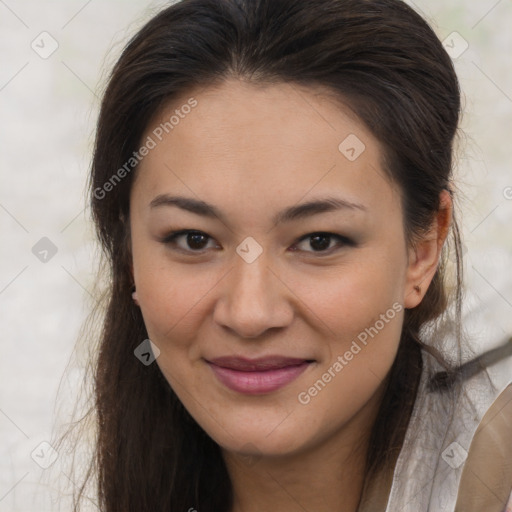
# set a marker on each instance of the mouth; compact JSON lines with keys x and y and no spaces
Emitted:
{"x":257,"y":376}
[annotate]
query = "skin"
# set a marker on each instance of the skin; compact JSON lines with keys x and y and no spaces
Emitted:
{"x":251,"y":151}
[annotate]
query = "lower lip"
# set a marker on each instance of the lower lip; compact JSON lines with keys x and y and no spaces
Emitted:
{"x":255,"y":383}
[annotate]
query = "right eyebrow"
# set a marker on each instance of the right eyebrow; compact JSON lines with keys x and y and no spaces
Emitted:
{"x":188,"y":204}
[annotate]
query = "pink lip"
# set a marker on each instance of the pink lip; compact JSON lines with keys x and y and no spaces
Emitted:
{"x":257,"y":376}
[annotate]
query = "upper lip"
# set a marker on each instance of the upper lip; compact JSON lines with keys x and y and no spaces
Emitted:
{"x":258,"y":364}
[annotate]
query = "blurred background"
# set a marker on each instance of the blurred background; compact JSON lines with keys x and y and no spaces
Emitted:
{"x":55,"y":57}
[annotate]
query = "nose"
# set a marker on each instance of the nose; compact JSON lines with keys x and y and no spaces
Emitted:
{"x":253,"y":300}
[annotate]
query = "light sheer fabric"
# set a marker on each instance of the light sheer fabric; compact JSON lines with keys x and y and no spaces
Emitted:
{"x":428,"y":470}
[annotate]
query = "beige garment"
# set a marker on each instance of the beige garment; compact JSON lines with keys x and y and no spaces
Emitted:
{"x":486,"y":481}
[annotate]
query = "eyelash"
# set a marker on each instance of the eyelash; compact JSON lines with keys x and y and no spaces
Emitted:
{"x":170,"y":239}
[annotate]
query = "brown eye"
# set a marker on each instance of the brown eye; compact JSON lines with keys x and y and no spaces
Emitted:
{"x":323,"y":242}
{"x":196,"y":240}
{"x":320,"y":242}
{"x":188,"y":240}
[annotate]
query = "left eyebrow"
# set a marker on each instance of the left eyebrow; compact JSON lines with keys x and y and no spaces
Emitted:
{"x":315,"y":207}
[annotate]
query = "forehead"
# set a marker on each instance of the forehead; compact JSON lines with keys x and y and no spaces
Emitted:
{"x":250,"y":143}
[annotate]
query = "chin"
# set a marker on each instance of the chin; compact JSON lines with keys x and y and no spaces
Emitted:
{"x":266,"y":438}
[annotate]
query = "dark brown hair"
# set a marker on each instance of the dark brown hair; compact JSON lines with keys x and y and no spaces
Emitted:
{"x":378,"y":57}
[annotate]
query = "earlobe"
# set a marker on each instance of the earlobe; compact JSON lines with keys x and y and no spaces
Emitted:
{"x":424,"y":256}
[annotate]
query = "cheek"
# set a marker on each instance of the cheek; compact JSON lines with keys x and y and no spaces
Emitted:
{"x":361,"y":309}
{"x":357,"y":294}
{"x":174,"y":304}
{"x":172,"y":298}
{"x":365,"y":318}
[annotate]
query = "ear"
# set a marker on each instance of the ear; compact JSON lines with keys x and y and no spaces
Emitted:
{"x":132,"y":274}
{"x":425,"y":254}
{"x":128,"y":249}
{"x":134,"y":293}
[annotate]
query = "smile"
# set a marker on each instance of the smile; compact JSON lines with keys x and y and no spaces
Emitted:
{"x":258,"y":376}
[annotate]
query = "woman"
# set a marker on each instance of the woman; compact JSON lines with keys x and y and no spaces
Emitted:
{"x":272,"y":188}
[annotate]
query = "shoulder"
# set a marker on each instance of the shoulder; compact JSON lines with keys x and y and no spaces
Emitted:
{"x":486,"y":480}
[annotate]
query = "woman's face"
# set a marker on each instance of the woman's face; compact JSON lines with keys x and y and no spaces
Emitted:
{"x":307,"y":299}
